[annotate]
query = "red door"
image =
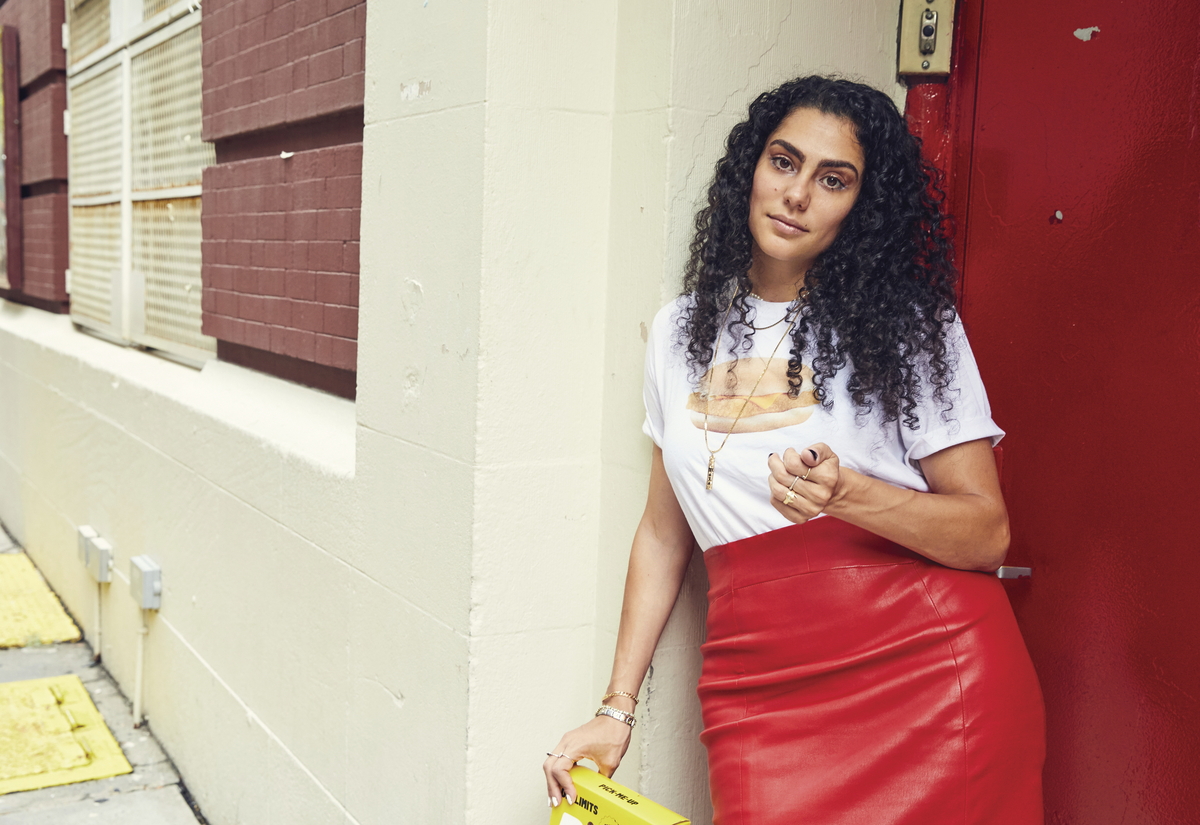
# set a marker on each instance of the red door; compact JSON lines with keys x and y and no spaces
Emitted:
{"x":1082,"y":299}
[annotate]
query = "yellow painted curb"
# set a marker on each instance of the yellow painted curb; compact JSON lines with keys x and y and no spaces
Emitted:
{"x":52,"y":734}
{"x":30,"y":613}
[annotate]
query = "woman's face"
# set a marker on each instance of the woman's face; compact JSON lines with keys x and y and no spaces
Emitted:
{"x":806,"y":181}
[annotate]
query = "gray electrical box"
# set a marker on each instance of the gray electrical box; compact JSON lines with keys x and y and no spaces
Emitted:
{"x":86,"y":534}
{"x":145,"y":582}
{"x":99,"y":562}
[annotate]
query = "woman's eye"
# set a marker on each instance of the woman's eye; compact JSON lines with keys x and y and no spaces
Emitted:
{"x":781,"y":163}
{"x":834,"y":182}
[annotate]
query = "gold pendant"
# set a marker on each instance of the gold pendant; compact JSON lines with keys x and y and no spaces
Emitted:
{"x":712,"y":469}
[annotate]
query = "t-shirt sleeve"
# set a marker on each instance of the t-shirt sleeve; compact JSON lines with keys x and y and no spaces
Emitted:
{"x":970,"y":417}
{"x":651,"y":388}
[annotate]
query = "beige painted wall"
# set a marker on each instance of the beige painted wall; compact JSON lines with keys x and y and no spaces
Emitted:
{"x":387,"y":611}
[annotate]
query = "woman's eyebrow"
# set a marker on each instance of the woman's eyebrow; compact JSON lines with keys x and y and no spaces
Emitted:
{"x":838,"y":164}
{"x":825,"y":164}
{"x":788,"y":147}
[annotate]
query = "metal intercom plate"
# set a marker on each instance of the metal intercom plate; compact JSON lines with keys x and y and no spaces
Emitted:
{"x":926,"y":35}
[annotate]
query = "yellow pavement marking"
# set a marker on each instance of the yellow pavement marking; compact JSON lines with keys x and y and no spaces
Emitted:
{"x":30,"y":613}
{"x":52,"y":734}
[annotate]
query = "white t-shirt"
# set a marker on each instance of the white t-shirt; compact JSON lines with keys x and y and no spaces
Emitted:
{"x":738,"y":505}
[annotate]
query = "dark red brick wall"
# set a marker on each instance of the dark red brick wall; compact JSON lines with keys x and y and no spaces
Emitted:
{"x":43,"y":149}
{"x":43,"y":145}
{"x":45,"y":232}
{"x":272,"y":62}
{"x":280,"y":254}
{"x":39,"y":23}
{"x":280,"y":249}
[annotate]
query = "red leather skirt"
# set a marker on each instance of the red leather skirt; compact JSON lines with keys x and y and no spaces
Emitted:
{"x":849,"y":680}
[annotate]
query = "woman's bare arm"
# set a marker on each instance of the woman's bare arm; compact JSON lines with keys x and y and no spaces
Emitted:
{"x":962,"y":522}
{"x":662,"y":547}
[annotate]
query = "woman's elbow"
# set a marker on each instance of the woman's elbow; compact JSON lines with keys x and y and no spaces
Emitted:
{"x":990,"y":552}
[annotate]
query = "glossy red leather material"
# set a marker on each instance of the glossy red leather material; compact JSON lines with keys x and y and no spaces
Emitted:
{"x":849,"y":680}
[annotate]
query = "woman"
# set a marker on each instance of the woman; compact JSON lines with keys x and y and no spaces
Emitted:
{"x":822,"y":432}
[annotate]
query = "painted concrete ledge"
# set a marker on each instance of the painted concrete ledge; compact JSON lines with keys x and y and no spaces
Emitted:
{"x":297,"y":421}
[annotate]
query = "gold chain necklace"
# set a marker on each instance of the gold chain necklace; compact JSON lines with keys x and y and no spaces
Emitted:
{"x":712,"y":369}
{"x":791,"y":308}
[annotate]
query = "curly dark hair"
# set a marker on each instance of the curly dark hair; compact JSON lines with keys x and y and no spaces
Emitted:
{"x":880,"y":298}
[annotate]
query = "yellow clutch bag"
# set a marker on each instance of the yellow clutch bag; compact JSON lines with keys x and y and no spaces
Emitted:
{"x":601,"y":801}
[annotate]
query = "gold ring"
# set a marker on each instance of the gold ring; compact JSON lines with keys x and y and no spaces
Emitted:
{"x":798,"y":479}
{"x":789,"y":498}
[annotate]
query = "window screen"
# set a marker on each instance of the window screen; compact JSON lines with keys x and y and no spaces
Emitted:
{"x":135,"y":172}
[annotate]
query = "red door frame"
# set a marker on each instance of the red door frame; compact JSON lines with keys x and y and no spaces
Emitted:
{"x":942,"y":114}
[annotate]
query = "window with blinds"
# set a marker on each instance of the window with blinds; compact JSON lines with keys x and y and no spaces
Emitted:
{"x":134,"y":93}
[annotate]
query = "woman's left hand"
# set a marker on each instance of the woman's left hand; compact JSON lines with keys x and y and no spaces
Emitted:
{"x":812,"y":475}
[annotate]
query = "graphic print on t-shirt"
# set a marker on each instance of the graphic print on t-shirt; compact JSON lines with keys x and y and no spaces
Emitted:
{"x":769,"y":408}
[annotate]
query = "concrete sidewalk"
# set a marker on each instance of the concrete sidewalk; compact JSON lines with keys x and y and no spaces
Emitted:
{"x":151,"y":795}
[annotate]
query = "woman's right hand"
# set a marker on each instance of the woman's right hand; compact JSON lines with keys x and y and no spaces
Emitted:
{"x":603,"y":740}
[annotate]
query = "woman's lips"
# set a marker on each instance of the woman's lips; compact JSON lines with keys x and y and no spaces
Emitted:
{"x":786,"y":227}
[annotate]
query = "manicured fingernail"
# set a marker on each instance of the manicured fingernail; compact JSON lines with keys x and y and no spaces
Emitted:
{"x":813,"y":453}
{"x":771,"y":455}
{"x":547,"y":802}
{"x":555,"y":800}
{"x":570,"y":801}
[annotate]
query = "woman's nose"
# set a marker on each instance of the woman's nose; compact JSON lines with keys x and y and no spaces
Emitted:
{"x":798,"y":194}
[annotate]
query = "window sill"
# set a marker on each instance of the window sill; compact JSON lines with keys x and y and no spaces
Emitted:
{"x":297,"y":421}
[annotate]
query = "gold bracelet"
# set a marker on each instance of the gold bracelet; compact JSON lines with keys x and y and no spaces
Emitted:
{"x":624,"y":693}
